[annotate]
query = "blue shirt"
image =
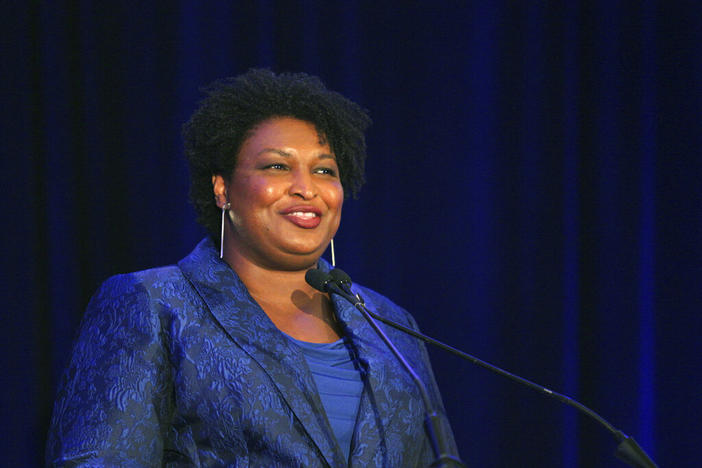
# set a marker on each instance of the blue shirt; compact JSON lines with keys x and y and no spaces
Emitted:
{"x":339,"y":385}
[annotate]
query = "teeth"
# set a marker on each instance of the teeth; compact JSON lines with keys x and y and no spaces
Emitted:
{"x":303,"y":214}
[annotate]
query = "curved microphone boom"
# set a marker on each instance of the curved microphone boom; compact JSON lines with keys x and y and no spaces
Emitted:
{"x":324,"y":282}
{"x":628,"y":449}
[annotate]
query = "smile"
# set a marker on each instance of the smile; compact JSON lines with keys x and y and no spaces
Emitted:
{"x":302,"y":214}
{"x":304,"y":217}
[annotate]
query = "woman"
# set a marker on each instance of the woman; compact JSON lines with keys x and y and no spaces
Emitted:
{"x":230,"y":358}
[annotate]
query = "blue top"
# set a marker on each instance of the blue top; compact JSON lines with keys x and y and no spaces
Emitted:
{"x":338,"y":383}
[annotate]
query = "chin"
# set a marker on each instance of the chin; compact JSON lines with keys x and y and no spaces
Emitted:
{"x":304,"y":248}
{"x":298,"y":259}
{"x":297,"y":263}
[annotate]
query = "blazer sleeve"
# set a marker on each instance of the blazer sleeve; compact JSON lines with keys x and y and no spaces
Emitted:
{"x":113,"y":400}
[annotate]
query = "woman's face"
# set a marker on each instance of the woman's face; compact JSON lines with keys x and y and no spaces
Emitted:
{"x":285,"y":195}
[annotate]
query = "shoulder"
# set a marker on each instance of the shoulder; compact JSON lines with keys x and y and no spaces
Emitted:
{"x":166,"y":283}
{"x":154,"y":282}
{"x":140,"y":300}
{"x":129,"y":315}
{"x":151,"y":278}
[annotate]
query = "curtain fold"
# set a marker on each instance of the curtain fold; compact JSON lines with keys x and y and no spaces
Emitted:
{"x":533,"y":194}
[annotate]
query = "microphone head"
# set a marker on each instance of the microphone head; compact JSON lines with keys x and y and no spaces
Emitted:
{"x":340,"y":276}
{"x":318,"y":279}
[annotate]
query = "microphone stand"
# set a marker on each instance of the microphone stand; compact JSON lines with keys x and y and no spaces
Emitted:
{"x":628,"y":450}
{"x":432,"y":420}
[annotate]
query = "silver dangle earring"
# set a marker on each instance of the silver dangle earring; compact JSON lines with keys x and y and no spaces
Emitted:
{"x":225,"y":207}
{"x":333,"y":256}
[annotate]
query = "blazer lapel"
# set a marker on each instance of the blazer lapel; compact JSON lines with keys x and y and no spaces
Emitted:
{"x":388,"y":397}
{"x":248,"y":325}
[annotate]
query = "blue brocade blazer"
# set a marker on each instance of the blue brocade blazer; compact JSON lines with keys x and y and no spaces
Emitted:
{"x":179,"y":366}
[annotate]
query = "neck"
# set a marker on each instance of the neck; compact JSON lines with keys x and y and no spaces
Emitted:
{"x":292,"y":305}
{"x":265,"y":280}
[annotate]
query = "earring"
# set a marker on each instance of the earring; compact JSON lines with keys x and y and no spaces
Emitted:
{"x":225,"y":207}
{"x":333,"y":256}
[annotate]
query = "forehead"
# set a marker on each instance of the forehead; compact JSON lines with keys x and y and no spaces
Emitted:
{"x":289,"y":132}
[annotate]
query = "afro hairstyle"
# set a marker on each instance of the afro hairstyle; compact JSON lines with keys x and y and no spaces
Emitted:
{"x":232,"y":109}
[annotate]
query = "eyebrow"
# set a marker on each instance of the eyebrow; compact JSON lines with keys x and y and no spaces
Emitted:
{"x":285,"y":154}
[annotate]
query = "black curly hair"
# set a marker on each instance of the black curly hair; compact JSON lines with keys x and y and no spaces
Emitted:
{"x":233,"y":107}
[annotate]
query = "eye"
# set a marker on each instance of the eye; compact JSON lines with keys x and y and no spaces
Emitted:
{"x":326,"y":171}
{"x":276,"y":166}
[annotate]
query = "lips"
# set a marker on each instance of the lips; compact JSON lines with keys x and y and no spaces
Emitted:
{"x":307,"y":217}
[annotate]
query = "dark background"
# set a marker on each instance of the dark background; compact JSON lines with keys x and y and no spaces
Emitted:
{"x":533,"y":194}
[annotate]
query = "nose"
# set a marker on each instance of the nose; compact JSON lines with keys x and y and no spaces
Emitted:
{"x":302,"y":185}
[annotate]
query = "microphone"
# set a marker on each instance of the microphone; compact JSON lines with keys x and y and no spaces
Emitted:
{"x":628,"y":449}
{"x":319,"y":280}
{"x":324,"y":282}
{"x":341,"y":278}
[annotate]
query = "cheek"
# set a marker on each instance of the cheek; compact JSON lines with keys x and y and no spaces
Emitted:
{"x":334,"y":196}
{"x":270,"y":193}
{"x":262,"y":192}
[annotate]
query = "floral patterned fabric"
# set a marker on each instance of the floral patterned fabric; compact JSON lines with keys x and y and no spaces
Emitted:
{"x":178,"y":366}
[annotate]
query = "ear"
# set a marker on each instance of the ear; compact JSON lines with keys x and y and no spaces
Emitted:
{"x":219,"y":188}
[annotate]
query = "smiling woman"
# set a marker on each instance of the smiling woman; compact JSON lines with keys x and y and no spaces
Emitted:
{"x":285,"y":196}
{"x":230,"y":358}
{"x":284,"y":200}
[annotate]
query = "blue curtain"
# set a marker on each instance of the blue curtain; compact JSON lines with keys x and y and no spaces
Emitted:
{"x":533,"y":194}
